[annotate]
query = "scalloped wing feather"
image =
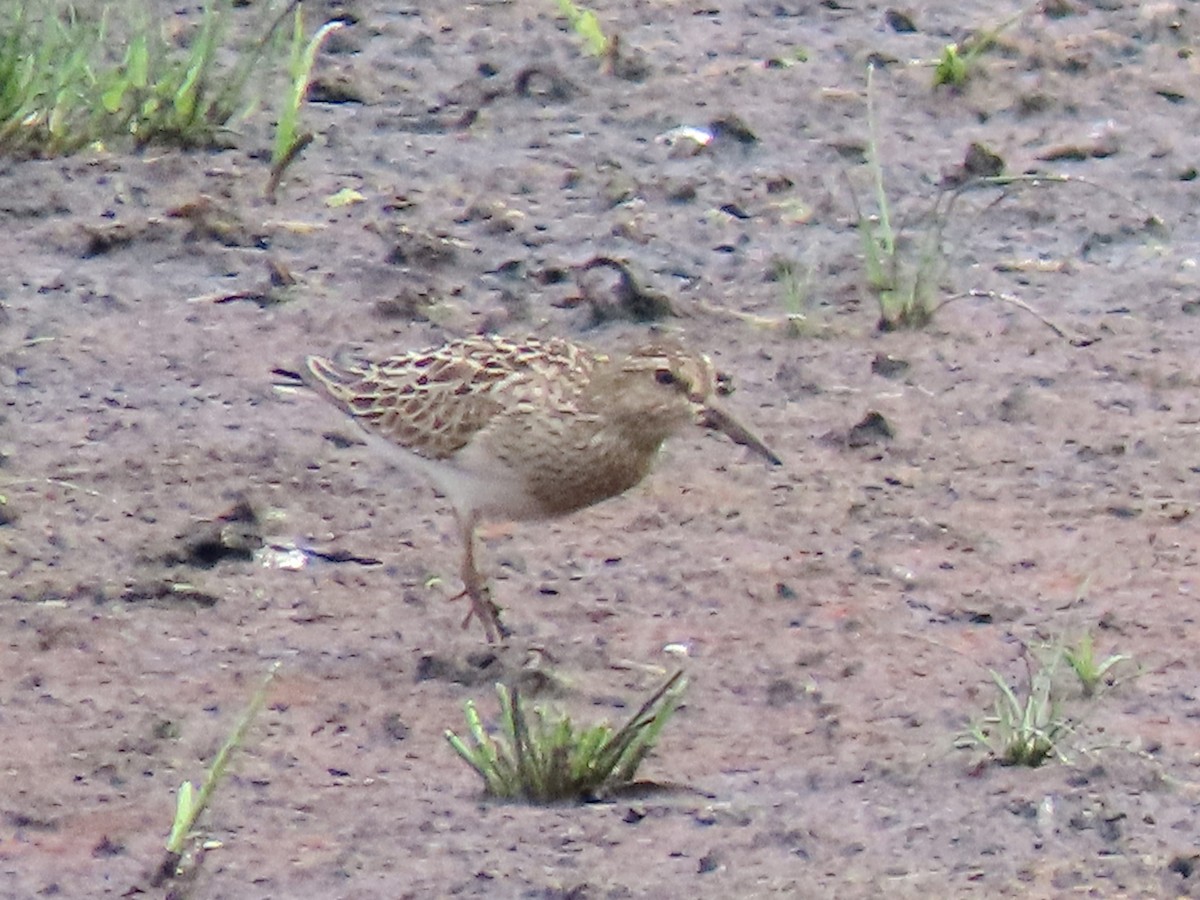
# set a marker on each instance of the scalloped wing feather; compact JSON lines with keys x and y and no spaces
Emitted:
{"x":434,"y":402}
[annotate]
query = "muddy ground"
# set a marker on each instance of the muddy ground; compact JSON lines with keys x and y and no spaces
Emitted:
{"x":172,"y":524}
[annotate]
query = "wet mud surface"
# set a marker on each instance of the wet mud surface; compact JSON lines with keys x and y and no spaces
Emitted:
{"x":173,"y":523}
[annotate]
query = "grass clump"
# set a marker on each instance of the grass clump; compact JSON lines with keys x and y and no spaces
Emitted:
{"x":906,"y":278}
{"x":796,"y":287}
{"x":958,"y":62}
{"x":951,"y":68}
{"x":65,"y":83}
{"x":1028,"y":726}
{"x":1090,"y":671}
{"x":1025,"y":728}
{"x":543,"y":758}
{"x":906,"y":293}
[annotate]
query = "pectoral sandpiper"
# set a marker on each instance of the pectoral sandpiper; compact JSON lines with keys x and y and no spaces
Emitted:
{"x":526,"y":429}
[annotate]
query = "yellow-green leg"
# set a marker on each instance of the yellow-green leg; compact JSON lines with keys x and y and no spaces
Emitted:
{"x":476,"y":588}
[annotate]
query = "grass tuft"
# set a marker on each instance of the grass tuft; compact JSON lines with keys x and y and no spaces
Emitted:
{"x":905,"y":279}
{"x":1025,"y":729}
{"x":65,"y":85}
{"x":1028,"y":726}
{"x":959,"y":62}
{"x":1091,"y":672}
{"x":797,"y":296}
{"x":543,"y":758}
{"x":906,"y":293}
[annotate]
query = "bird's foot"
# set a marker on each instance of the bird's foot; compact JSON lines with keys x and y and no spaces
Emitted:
{"x":486,"y":611}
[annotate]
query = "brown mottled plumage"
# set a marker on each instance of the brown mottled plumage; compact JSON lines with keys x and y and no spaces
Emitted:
{"x":526,"y":429}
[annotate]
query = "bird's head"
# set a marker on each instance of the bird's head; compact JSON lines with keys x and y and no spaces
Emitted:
{"x":668,"y":386}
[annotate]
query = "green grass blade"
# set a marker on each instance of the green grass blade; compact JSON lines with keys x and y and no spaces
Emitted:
{"x":185,"y":817}
{"x":190,"y":804}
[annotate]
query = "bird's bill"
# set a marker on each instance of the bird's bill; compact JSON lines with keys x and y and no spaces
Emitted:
{"x":714,"y":417}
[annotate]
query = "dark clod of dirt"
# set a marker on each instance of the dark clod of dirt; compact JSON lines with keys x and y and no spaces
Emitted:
{"x":107,"y":847}
{"x":334,"y":88}
{"x":339,"y":440}
{"x":34,"y":823}
{"x":409,"y":247}
{"x":211,"y":545}
{"x":165,"y":870}
{"x":1099,"y":146}
{"x":279,"y":274}
{"x":394,"y":727}
{"x":166,"y":729}
{"x":102,"y":239}
{"x":1061,"y":9}
{"x":235,"y":535}
{"x":900,"y":21}
{"x":710,"y":862}
{"x":879,"y":60}
{"x":408,"y":305}
{"x":982,"y":162}
{"x":544,"y":84}
{"x":781,"y":692}
{"x":732,"y":127}
{"x":175,"y":592}
{"x":214,"y":220}
{"x":888,"y":366}
{"x":850,"y":150}
{"x":622,"y":298}
{"x":978,"y":162}
{"x":581,"y":891}
{"x":1184,"y":866}
{"x":628,"y":64}
{"x":478,"y":668}
{"x":873,"y":429}
{"x":1015,"y":406}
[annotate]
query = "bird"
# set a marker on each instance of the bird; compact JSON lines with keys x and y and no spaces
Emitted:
{"x":523,"y":429}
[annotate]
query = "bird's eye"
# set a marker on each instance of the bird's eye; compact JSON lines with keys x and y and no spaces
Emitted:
{"x":664,"y":376}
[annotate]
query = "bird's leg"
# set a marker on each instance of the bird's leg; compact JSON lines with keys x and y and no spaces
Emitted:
{"x":476,"y":588}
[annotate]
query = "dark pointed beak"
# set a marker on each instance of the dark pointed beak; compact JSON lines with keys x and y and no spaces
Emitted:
{"x":712,"y":416}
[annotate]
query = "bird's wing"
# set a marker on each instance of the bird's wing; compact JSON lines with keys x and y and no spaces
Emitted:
{"x":434,"y":402}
